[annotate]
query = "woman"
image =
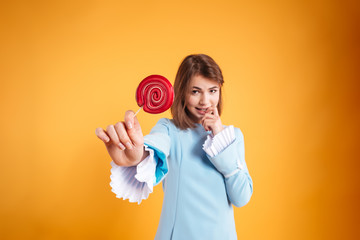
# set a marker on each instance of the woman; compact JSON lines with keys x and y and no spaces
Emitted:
{"x":200,"y":162}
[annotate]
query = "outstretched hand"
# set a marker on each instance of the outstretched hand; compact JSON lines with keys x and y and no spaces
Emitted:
{"x":124,"y":141}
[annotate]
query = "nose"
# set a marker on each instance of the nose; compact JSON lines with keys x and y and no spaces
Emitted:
{"x":204,"y":100}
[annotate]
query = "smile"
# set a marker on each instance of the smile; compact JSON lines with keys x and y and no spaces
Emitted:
{"x":201,"y":110}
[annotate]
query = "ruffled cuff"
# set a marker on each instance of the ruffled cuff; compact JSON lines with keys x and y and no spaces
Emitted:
{"x":214,"y":145}
{"x":134,"y":183}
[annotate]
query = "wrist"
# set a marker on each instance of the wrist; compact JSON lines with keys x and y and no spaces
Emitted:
{"x":217,"y":130}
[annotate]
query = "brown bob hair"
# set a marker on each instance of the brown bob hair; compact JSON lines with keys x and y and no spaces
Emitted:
{"x":192,"y":65}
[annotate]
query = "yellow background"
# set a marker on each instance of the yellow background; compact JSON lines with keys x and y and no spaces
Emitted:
{"x":291,"y":85}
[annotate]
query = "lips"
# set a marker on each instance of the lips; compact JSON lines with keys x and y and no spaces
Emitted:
{"x":202,"y":111}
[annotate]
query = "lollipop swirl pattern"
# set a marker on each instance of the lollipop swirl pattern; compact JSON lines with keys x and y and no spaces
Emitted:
{"x":155,"y":94}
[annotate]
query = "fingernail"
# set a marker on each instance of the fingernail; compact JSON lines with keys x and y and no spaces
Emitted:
{"x":128,"y":145}
{"x":107,"y":139}
{"x":121,"y":146}
{"x":129,"y":125}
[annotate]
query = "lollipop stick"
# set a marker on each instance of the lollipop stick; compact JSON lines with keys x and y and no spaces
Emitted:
{"x":138,"y":111}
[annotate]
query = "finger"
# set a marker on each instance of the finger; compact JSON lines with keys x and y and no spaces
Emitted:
{"x":114,"y":136}
{"x":209,"y":115}
{"x":124,"y":140}
{"x":133,"y":128}
{"x":101,"y":134}
{"x":212,"y":110}
{"x":129,"y":119}
{"x":136,"y":124}
{"x":205,"y":126}
{"x":203,"y":119}
{"x":216,"y":112}
{"x":206,"y":123}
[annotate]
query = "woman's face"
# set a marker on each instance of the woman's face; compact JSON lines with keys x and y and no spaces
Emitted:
{"x":202,"y":94}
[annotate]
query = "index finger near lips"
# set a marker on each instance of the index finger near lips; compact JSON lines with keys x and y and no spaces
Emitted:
{"x":212,"y":110}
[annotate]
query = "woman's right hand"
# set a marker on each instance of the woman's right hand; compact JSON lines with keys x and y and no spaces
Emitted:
{"x":124,"y":141}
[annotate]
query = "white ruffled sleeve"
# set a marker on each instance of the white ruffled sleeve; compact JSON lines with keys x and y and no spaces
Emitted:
{"x":215,"y":145}
{"x":134,"y":183}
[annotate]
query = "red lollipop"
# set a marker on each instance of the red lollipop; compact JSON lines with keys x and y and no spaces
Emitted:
{"x":155,"y":94}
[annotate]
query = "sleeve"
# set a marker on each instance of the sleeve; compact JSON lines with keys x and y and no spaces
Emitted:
{"x":226,"y":152}
{"x":159,"y":141}
{"x":136,"y":183}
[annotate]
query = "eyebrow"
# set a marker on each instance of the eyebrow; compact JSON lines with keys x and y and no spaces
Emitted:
{"x":214,"y":87}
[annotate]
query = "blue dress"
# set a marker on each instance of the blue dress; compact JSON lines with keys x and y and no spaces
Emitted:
{"x":199,"y":190}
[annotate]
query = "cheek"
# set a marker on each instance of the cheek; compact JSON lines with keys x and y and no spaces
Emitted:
{"x":190,"y":100}
{"x":215,"y":100}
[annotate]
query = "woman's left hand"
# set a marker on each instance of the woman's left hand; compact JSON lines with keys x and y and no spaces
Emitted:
{"x":211,"y":121}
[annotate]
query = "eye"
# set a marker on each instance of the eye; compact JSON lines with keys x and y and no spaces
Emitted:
{"x":213,"y":90}
{"x":195,"y":91}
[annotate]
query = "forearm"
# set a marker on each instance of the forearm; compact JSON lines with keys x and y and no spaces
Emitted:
{"x":239,"y":188}
{"x":230,"y":161}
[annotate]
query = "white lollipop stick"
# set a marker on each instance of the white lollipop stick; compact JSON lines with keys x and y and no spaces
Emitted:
{"x":138,"y":111}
